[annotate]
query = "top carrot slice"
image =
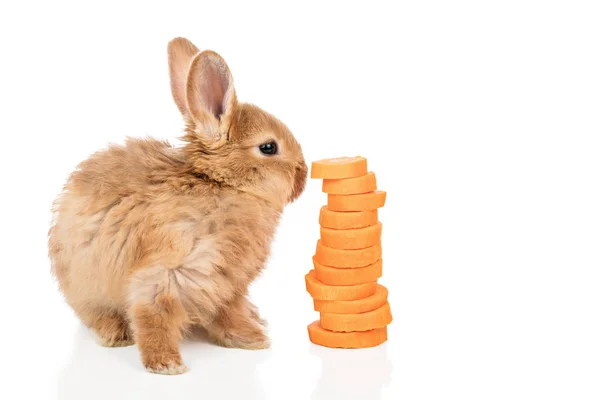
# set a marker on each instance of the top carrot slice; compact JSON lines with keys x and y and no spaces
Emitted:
{"x":339,"y":168}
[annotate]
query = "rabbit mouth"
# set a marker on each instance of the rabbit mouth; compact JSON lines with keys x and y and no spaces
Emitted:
{"x":300,"y":175}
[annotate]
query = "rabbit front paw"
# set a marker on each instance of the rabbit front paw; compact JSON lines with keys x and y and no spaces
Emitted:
{"x":166,"y":367}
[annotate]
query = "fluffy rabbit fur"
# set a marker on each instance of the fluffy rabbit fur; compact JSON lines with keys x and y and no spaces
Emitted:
{"x":150,"y":241}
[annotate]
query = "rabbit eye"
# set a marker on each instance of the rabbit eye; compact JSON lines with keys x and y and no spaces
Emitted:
{"x":268,"y":149}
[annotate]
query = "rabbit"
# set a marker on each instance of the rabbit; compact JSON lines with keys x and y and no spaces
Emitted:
{"x":149,"y":241}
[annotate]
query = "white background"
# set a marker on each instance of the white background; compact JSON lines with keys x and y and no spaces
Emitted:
{"x":481,"y":120}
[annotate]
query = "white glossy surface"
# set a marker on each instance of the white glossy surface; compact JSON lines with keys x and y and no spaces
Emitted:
{"x":222,"y":373}
{"x":480,"y":120}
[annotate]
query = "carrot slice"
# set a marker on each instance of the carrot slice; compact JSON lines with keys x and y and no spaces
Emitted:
{"x":346,"y":340}
{"x":377,"y":318}
{"x":362,"y":184}
{"x":347,"y":220}
{"x":347,"y":258}
{"x":339,"y":168}
{"x":347,"y":276}
{"x":351,"y":239}
{"x":356,"y":202}
{"x":320,"y":291}
{"x":374,"y":301}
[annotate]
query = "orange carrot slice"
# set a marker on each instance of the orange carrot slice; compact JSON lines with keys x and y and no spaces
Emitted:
{"x":320,"y":291}
{"x":362,"y":184}
{"x":347,"y":220}
{"x":351,"y":239}
{"x":374,"y":301}
{"x":347,"y":276}
{"x":377,"y":318}
{"x":347,"y":258}
{"x":339,"y":168}
{"x":356,"y":202}
{"x":346,"y":340}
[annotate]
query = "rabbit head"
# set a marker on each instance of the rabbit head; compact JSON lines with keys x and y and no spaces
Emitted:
{"x":229,"y":142}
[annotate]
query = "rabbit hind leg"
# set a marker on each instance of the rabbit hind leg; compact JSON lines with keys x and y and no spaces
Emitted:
{"x":239,"y":325}
{"x":111,"y":326}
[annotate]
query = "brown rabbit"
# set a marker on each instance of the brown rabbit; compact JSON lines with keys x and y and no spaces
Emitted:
{"x":149,"y":240}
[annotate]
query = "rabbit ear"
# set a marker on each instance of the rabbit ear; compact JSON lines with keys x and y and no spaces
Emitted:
{"x":211,"y":98}
{"x":181,"y":52}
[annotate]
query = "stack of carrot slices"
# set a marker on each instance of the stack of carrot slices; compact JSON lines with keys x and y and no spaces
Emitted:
{"x":354,"y":308}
